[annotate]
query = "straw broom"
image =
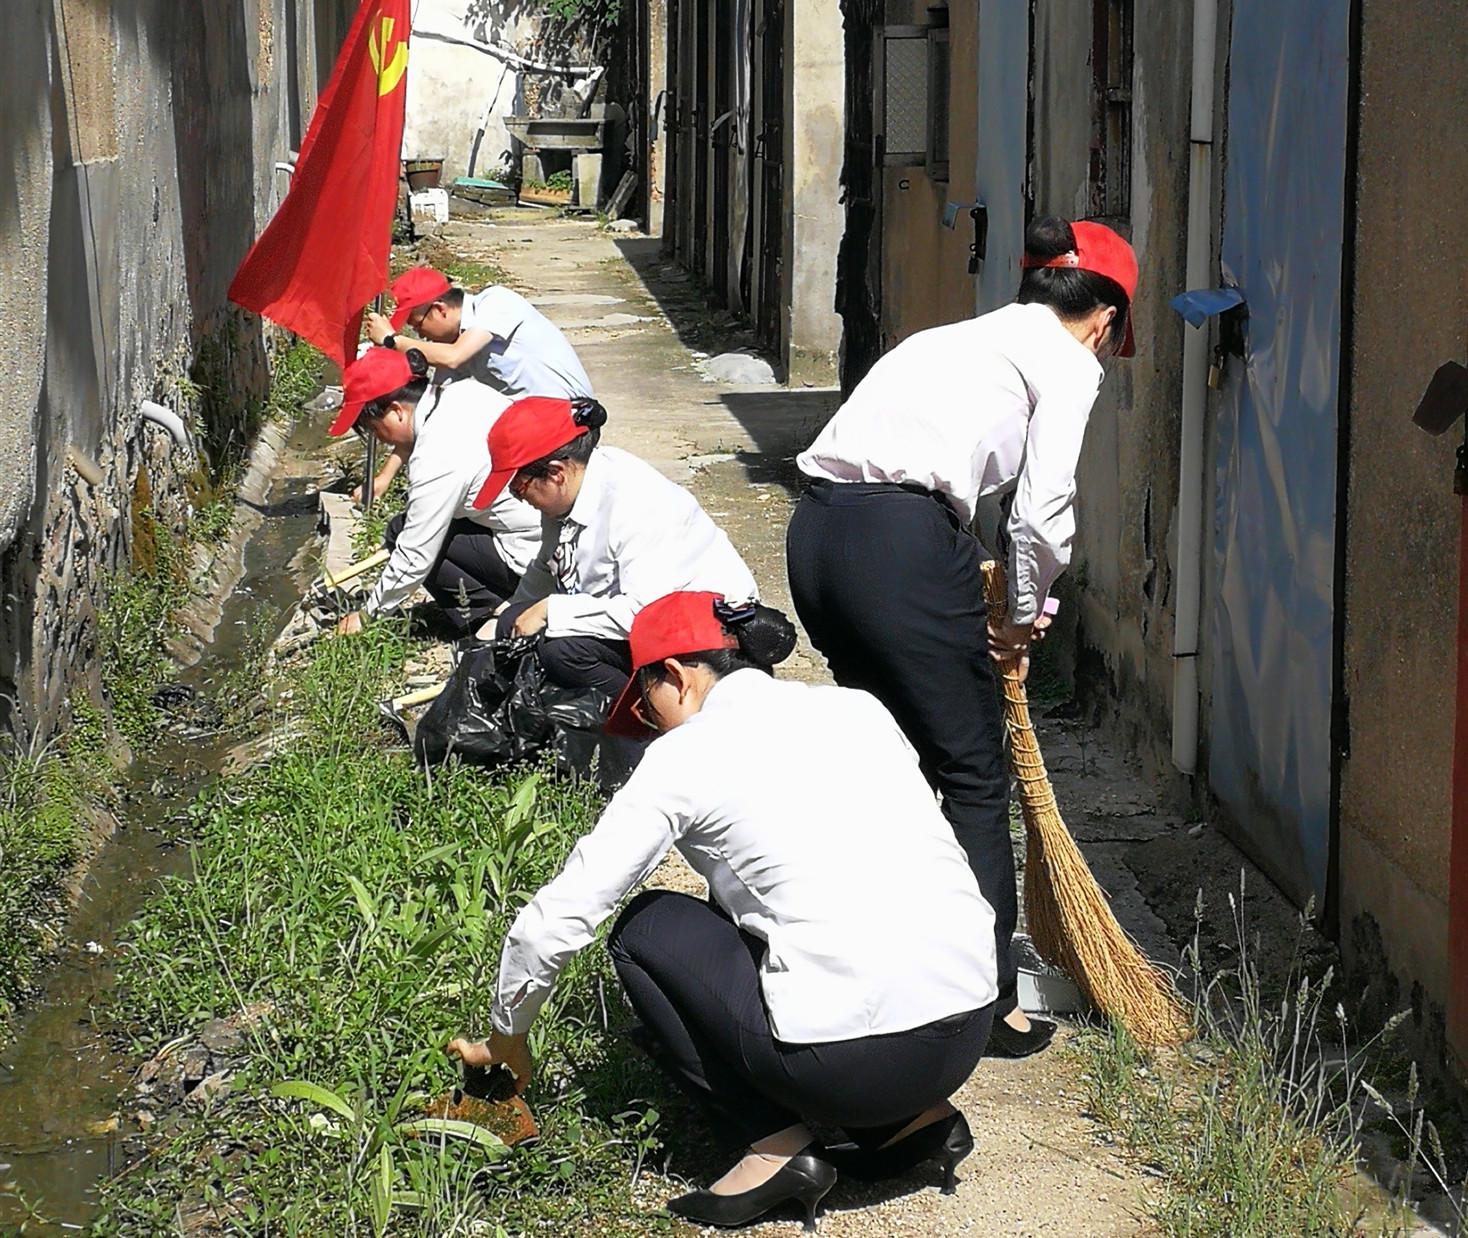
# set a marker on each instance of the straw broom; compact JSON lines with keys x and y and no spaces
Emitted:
{"x":1069,"y":919}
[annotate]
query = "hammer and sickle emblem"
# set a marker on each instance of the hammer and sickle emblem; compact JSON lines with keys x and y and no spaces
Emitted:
{"x":390,"y":69}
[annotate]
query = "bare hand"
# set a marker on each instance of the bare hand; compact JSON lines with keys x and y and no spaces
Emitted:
{"x":349,"y":624}
{"x":511,"y":1052}
{"x":379,"y":327}
{"x":532,"y":619}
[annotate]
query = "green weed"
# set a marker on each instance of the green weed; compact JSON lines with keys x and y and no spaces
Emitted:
{"x":360,"y":905}
{"x":1254,"y":1128}
{"x":45,"y":796}
{"x":134,"y":625}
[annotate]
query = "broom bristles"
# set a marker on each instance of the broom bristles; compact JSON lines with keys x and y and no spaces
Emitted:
{"x":1068,"y":915}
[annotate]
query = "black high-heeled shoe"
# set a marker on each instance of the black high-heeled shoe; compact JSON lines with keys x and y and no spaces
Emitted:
{"x":1005,"y":1041}
{"x":947,"y":1141}
{"x":804,"y":1178}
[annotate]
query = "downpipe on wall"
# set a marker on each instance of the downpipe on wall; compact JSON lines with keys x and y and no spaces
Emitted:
{"x":1190,"y":496}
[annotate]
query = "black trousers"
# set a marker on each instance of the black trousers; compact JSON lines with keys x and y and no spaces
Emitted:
{"x":469,"y":579}
{"x":577,"y":661}
{"x":887,"y":583}
{"x":692,"y":976}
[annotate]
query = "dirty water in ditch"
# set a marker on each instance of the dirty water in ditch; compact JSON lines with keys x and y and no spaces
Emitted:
{"x":61,"y":1077}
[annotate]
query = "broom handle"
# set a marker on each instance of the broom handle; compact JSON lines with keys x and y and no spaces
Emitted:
{"x":1024,"y":748}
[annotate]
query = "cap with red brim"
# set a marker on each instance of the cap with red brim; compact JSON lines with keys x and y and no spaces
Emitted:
{"x":527,"y":431}
{"x":1103,"y":251}
{"x":419,"y":286}
{"x":679,"y":623}
{"x":376,"y":373}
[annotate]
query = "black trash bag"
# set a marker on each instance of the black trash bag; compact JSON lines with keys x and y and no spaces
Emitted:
{"x":499,"y":707}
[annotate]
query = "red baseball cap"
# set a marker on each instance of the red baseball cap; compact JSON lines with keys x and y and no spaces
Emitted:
{"x":526,"y":431}
{"x":1106,"y":252}
{"x":377,"y":372}
{"x":677,"y":623}
{"x":419,"y":286}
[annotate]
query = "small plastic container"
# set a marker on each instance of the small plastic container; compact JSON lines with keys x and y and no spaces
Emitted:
{"x":1044,"y":989}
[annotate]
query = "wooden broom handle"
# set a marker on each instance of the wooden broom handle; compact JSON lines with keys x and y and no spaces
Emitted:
{"x":1024,"y":748}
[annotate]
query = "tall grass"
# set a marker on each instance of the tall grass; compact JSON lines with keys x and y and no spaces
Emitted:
{"x":1254,"y":1129}
{"x":45,"y":798}
{"x":359,"y":907}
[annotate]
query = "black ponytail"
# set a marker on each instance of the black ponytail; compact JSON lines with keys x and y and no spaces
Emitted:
{"x":1070,"y":292}
{"x":584,"y":412}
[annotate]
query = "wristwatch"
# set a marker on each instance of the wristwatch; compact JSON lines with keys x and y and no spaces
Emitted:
{"x":390,"y":340}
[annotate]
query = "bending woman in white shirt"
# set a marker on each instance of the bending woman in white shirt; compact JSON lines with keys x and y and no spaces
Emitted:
{"x":616,"y":535}
{"x":884,"y":570}
{"x":845,"y":971}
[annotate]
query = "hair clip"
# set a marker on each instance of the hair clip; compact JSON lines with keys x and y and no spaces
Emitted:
{"x":728,"y":615}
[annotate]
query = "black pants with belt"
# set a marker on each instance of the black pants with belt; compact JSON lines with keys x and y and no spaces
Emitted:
{"x":576,"y":661}
{"x":887,"y":583}
{"x":469,"y":579}
{"x":692,"y":976}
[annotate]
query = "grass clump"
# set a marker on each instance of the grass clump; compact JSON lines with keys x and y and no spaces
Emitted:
{"x":135,"y":623}
{"x":358,"y":906}
{"x":43,"y":798}
{"x":1255,"y":1128}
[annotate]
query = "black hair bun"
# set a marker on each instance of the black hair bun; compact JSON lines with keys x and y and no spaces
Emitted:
{"x":417,"y":363}
{"x":1049,"y":236}
{"x":766,"y":637}
{"x":589,"y":413}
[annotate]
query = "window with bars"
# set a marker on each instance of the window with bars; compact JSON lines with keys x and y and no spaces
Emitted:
{"x":1111,"y":125}
{"x":912,"y":81}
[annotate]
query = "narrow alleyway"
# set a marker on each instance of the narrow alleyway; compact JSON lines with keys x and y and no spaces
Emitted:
{"x":639,"y":325}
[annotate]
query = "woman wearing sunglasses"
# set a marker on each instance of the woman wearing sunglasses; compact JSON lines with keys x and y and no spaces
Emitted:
{"x":843,"y":972}
{"x":471,"y":560}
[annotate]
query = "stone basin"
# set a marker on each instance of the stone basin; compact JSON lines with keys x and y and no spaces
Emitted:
{"x":558,"y":132}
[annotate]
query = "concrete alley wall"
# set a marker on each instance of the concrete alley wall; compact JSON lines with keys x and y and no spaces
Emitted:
{"x":1401,"y":579}
{"x":1127,"y":483}
{"x":144,"y":135}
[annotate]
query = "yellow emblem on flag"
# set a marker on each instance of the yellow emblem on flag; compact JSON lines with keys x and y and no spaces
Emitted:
{"x":390,"y":69}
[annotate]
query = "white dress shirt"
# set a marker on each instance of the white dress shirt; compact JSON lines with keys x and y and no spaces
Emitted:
{"x":993,"y":405}
{"x":528,"y":355}
{"x":448,"y":465}
{"x":631,"y":537}
{"x":805,"y":810}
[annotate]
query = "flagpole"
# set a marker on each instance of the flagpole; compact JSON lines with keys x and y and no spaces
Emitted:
{"x":369,"y":487}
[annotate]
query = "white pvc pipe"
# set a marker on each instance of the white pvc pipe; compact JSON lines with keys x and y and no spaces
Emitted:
{"x":1190,"y":490}
{"x":159,"y":415}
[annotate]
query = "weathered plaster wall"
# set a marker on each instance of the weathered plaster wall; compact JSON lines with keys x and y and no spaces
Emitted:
{"x":451,"y":85}
{"x":145,"y":147}
{"x":925,"y":276}
{"x":1127,"y":482}
{"x":1401,"y":581}
{"x":814,"y":220}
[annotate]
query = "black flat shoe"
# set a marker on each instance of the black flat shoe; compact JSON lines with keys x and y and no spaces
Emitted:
{"x":947,"y":1141}
{"x":1004,"y":1041}
{"x":804,"y":1178}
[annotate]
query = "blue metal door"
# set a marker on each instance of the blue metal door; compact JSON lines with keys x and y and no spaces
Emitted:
{"x":1275,"y":520}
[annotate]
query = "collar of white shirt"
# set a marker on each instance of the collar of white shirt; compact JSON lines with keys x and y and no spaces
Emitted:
{"x":590,"y":497}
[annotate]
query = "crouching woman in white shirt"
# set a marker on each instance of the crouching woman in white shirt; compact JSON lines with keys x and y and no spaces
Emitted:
{"x":616,"y":535}
{"x":844,"y":973}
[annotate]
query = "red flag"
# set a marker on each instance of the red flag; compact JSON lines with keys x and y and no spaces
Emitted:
{"x":324,"y":255}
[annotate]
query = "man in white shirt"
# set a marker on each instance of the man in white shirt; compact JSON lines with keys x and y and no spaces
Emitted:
{"x":617,"y":534}
{"x":495,"y":335}
{"x":884,"y":570}
{"x":471,"y":560}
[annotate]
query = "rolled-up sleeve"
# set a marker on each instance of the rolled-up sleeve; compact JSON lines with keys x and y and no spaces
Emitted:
{"x":1042,"y":517}
{"x":641,"y":823}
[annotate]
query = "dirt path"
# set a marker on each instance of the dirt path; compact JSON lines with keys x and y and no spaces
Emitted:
{"x":638,"y":325}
